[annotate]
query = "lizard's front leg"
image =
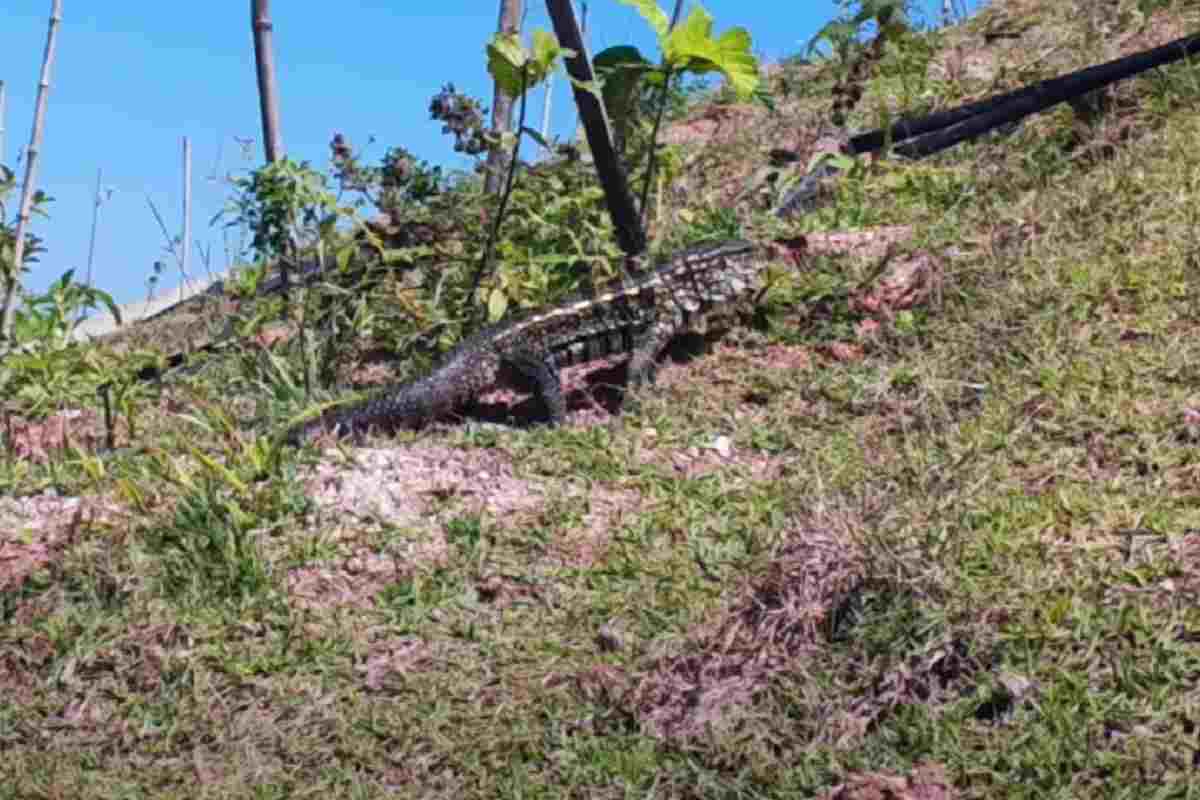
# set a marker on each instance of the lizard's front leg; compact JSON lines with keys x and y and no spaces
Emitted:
{"x":544,"y":377}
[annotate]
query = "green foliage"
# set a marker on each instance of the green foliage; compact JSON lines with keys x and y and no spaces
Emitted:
{"x":37,"y":382}
{"x":904,"y":72}
{"x":279,"y":203}
{"x":689,"y":48}
{"x":711,"y":224}
{"x":48,"y":319}
{"x":210,"y":547}
{"x":623,"y":69}
{"x":558,"y":218}
{"x":8,"y":229}
{"x":47,"y":369}
{"x":843,"y":33}
{"x":516,"y":69}
{"x":211,"y":550}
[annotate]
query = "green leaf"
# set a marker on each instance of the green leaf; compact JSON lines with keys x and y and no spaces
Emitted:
{"x":107,"y":300}
{"x":506,"y":63}
{"x":537,"y":137}
{"x":738,"y":62}
{"x":690,"y":47}
{"x":514,"y":68}
{"x":497,"y":304}
{"x":622,"y":68}
{"x":689,"y":39}
{"x":654,"y":15}
{"x":215,"y":467}
{"x":546,"y":53}
{"x":838,"y":161}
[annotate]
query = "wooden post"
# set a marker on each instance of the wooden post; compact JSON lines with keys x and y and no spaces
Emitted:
{"x":268,"y":92}
{"x":510,"y":22}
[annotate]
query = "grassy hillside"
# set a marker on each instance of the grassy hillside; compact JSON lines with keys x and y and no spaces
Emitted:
{"x":930,"y":530}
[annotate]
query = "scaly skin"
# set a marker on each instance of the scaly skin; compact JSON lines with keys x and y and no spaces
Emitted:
{"x":638,"y":315}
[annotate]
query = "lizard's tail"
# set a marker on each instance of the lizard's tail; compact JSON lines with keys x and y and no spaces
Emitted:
{"x":405,"y":405}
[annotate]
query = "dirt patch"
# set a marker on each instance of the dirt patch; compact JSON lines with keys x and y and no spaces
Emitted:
{"x":37,"y":441}
{"x":774,"y":626}
{"x":776,"y":620}
{"x":714,"y":124}
{"x":927,"y":782}
{"x":37,"y":530}
{"x":868,"y":244}
{"x":419,"y":489}
{"x":391,"y":658}
{"x":907,"y":283}
{"x":403,"y":485}
{"x":585,"y":545}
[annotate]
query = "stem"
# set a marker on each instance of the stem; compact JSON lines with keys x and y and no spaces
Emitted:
{"x":486,"y":262}
{"x":662,"y":109}
{"x":92,"y":239}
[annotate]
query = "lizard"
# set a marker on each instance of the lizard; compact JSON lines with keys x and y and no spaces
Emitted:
{"x":636,"y":314}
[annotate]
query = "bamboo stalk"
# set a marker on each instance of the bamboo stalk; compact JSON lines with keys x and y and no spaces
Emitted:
{"x":268,"y":92}
{"x":12,"y":275}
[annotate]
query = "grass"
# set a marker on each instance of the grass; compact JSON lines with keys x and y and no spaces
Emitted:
{"x":962,"y":551}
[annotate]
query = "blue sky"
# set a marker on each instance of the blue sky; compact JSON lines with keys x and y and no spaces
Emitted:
{"x":132,"y":78}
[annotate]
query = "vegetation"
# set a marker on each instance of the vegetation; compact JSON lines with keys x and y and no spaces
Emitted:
{"x":928,"y":525}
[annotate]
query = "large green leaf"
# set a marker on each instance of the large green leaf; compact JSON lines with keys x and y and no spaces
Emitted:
{"x":508,"y":60}
{"x":654,"y":15}
{"x":506,"y":63}
{"x":691,"y":47}
{"x":622,"y":68}
{"x":546,"y":52}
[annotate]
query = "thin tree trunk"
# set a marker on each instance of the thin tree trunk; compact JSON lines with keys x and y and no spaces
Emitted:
{"x":631,"y":236}
{"x":268,"y":99}
{"x":268,"y":93}
{"x":186,"y":244}
{"x":510,"y":22}
{"x":12,"y":276}
{"x":95,"y":224}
